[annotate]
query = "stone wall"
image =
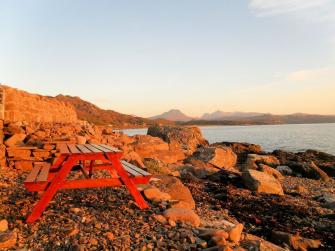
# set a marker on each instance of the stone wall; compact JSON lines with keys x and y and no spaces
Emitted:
{"x":22,"y":106}
{"x":2,"y":104}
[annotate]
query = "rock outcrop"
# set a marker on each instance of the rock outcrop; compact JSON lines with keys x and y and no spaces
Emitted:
{"x":177,"y":190}
{"x":241,"y":149}
{"x":188,"y":138}
{"x":182,"y":214}
{"x":254,"y":159}
{"x":299,"y":162}
{"x":152,"y":147}
{"x":261,"y":182}
{"x":220,"y":157}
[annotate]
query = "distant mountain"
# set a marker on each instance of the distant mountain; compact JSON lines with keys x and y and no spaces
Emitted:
{"x":173,"y":115}
{"x":268,"y":119}
{"x":220,"y":115}
{"x":91,"y":113}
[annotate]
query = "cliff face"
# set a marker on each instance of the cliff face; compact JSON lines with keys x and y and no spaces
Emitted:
{"x":17,"y":105}
{"x":23,"y":106}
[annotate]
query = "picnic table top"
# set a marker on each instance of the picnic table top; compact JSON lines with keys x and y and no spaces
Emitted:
{"x":87,"y":149}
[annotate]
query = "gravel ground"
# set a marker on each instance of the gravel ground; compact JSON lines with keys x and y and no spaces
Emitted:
{"x":108,"y":219}
{"x":261,"y":213}
{"x":94,"y":219}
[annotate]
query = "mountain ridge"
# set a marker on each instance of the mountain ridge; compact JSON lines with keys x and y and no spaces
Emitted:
{"x":246,"y":118}
{"x":173,"y":115}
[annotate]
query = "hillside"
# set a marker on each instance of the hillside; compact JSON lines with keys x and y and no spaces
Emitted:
{"x":93,"y":114}
{"x":220,"y":115}
{"x":173,"y":115}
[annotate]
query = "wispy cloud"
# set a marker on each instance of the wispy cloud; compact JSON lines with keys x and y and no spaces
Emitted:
{"x":308,"y":74}
{"x":272,"y":7}
{"x":317,"y":10}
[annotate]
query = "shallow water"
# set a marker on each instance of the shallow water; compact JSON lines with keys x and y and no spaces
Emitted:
{"x":293,"y":137}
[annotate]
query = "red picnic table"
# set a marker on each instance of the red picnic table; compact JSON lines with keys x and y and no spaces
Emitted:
{"x":87,"y":158}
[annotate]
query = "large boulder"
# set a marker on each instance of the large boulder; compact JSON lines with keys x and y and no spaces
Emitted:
{"x":154,"y":194}
{"x":134,"y":158}
{"x":189,"y":138}
{"x":261,"y":182}
{"x":252,"y":242}
{"x":152,"y":147}
{"x":296,"y":242}
{"x":271,"y":171}
{"x":254,"y":159}
{"x":196,"y":169}
{"x":221,"y":157}
{"x":241,"y":149}
{"x":183,"y":215}
{"x":177,"y":190}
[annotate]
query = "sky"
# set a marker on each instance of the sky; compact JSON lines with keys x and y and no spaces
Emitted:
{"x":146,"y":57}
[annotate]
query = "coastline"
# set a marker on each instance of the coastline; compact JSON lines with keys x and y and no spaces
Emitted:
{"x":288,"y":137}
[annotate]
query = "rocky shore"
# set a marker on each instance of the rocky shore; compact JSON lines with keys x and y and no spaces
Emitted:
{"x":223,"y":196}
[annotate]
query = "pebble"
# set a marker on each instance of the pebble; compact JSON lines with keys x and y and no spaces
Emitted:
{"x":3,"y":225}
{"x":172,"y":223}
{"x":75,"y":210}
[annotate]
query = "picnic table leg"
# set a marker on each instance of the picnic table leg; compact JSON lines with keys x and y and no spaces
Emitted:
{"x":51,"y":190}
{"x":128,"y":182}
{"x":58,"y":162}
{"x":90,"y":172}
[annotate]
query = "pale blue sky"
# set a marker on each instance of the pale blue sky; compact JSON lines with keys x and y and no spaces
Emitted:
{"x":146,"y":57}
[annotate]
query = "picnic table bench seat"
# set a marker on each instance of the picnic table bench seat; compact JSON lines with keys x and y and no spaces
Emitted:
{"x":88,"y":158}
{"x":40,"y":176}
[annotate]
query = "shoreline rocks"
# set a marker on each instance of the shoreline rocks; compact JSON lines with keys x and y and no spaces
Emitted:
{"x":219,"y":157}
{"x":187,"y":138}
{"x":261,"y":182}
{"x":210,"y":193}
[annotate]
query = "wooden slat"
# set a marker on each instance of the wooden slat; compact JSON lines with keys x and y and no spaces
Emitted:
{"x":105,"y":150}
{"x":137,"y":169}
{"x":33,"y":174}
{"x":131,"y":171}
{"x":92,"y":148}
{"x":114,"y":149}
{"x":73,"y":149}
{"x":43,"y":176}
{"x":63,"y":149}
{"x":83,"y":149}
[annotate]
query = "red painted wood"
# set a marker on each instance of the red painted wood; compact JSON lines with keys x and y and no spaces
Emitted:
{"x":90,"y":172}
{"x":141,"y":179}
{"x":35,"y":187}
{"x":54,"y":179}
{"x":51,"y":191}
{"x":58,"y":162}
{"x":90,"y":183}
{"x":127,"y":181}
